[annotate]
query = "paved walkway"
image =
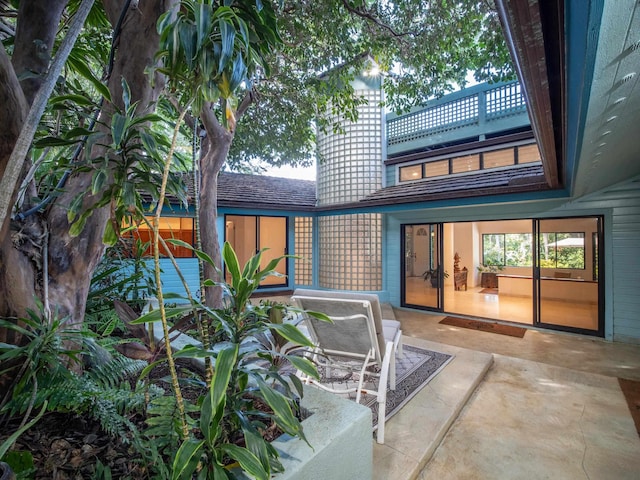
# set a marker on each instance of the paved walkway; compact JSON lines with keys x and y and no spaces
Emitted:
{"x":549,"y":407}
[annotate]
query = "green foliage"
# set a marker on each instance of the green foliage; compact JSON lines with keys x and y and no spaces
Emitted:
{"x":208,"y":50}
{"x":103,"y":392}
{"x":247,"y":374}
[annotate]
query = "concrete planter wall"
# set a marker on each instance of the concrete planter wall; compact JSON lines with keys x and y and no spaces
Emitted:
{"x":340,"y":435}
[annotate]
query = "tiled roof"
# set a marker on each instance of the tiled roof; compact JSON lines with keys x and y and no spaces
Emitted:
{"x":487,"y":182}
{"x":519,"y":179}
{"x":239,"y":190}
{"x":260,"y":191}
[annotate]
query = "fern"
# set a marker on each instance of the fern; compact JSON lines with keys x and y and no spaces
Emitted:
{"x":104,"y":393}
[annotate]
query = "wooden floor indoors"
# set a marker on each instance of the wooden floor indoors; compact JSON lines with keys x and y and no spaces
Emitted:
{"x":503,"y":307}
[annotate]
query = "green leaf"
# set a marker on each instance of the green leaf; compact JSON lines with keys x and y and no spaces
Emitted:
{"x":305,"y":365}
{"x":77,"y":226}
{"x":281,"y":408}
{"x":110,"y":237}
{"x":291,"y":333}
{"x":154,"y":315}
{"x":126,"y":94}
{"x":53,"y":142}
{"x":231,"y":262}
{"x":98,"y":181}
{"x":84,"y":70}
{"x":118,"y":126}
{"x":228,"y":35}
{"x":6,"y":445}
{"x":186,"y":459}
{"x":202,"y":17}
{"x":247,"y":460}
{"x":74,"y":98}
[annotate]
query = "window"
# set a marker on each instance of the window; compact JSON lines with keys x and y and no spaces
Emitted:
{"x":507,"y":249}
{"x":498,"y":158}
{"x":468,"y":163}
{"x":562,"y":250}
{"x":180,"y":228}
{"x":414,"y":172}
{"x":249,"y":234}
{"x":436,"y":169}
{"x":528,"y":153}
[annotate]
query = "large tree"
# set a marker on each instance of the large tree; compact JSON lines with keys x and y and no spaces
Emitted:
{"x":257,"y":75}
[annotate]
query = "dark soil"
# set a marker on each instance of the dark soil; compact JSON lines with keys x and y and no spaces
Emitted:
{"x":65,"y":446}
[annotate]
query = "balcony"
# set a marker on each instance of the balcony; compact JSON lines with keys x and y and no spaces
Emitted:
{"x":473,"y":113}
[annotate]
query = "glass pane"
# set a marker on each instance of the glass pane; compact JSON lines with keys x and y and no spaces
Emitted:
{"x":273,"y":237}
{"x":420,"y":257}
{"x":413,"y":172}
{"x":528,"y":154}
{"x":498,"y":158}
{"x":493,"y":249}
{"x":240,"y":232}
{"x":568,"y":285}
{"x":518,"y":249}
{"x":436,"y":169}
{"x":468,"y":163}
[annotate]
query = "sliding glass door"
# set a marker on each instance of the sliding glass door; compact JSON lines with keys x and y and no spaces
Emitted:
{"x":423,"y":272}
{"x":567,"y":273}
{"x":249,"y":234}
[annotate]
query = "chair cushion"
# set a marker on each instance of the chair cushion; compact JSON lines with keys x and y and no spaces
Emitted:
{"x":372,"y":298}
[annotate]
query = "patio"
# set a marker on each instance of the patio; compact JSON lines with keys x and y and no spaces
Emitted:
{"x":544,"y":406}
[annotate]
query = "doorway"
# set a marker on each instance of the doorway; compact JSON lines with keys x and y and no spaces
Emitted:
{"x":537,"y":272}
{"x":248,"y":234}
{"x":422,"y":282}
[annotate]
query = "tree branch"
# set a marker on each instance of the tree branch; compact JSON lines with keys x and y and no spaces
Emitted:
{"x":11,"y":176}
{"x":363,"y":13}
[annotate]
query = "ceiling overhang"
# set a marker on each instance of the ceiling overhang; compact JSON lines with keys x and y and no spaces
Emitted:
{"x":534,"y":31}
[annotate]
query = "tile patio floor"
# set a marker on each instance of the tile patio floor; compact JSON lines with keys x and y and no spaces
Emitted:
{"x":546,"y":406}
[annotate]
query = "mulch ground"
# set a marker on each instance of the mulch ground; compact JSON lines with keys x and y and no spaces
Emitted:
{"x":483,"y":326}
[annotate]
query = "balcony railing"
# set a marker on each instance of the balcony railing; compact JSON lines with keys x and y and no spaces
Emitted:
{"x":473,"y":112}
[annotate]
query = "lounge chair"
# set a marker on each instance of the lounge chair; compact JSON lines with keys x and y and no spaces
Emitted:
{"x":356,"y":342}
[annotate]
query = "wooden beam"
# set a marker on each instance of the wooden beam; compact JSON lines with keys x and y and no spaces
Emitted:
{"x":534,"y":34}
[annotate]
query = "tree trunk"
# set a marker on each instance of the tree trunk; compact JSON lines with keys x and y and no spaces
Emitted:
{"x":72,"y":260}
{"x":215,"y":148}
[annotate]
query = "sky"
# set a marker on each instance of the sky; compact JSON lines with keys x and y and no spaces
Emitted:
{"x":291,"y":172}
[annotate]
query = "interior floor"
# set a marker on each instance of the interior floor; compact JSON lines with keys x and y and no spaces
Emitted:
{"x":511,"y":308}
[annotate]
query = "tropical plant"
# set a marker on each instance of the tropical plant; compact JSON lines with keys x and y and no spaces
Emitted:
{"x":249,"y":392}
{"x":490,"y":268}
{"x":434,"y":274}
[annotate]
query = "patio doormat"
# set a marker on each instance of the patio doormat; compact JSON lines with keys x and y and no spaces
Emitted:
{"x":631,"y":390}
{"x":491,"y":327}
{"x":492,"y":291}
{"x":414,"y":369}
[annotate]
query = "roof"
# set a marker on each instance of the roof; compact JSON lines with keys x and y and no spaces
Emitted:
{"x":238,"y":190}
{"x":523,"y":178}
{"x":260,"y":191}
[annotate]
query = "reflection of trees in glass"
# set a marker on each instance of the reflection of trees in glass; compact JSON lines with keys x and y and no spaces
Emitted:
{"x":562,"y":250}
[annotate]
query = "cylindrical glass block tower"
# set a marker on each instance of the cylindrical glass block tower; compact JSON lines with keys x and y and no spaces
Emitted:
{"x":349,"y":168}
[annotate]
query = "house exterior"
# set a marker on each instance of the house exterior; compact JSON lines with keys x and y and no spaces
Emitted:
{"x":550,"y":199}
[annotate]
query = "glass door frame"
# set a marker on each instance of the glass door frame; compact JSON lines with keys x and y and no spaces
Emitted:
{"x":259,"y":244}
{"x":438,"y":229}
{"x":598,"y":256}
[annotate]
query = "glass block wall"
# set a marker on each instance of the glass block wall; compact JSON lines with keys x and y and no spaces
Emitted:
{"x":350,"y":163}
{"x":349,"y":168}
{"x":304,"y":249}
{"x":351,"y":251}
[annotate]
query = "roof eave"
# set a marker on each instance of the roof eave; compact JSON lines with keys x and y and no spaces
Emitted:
{"x":534,"y":35}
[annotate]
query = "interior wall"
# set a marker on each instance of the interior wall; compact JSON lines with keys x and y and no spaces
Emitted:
{"x":464,"y":235}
